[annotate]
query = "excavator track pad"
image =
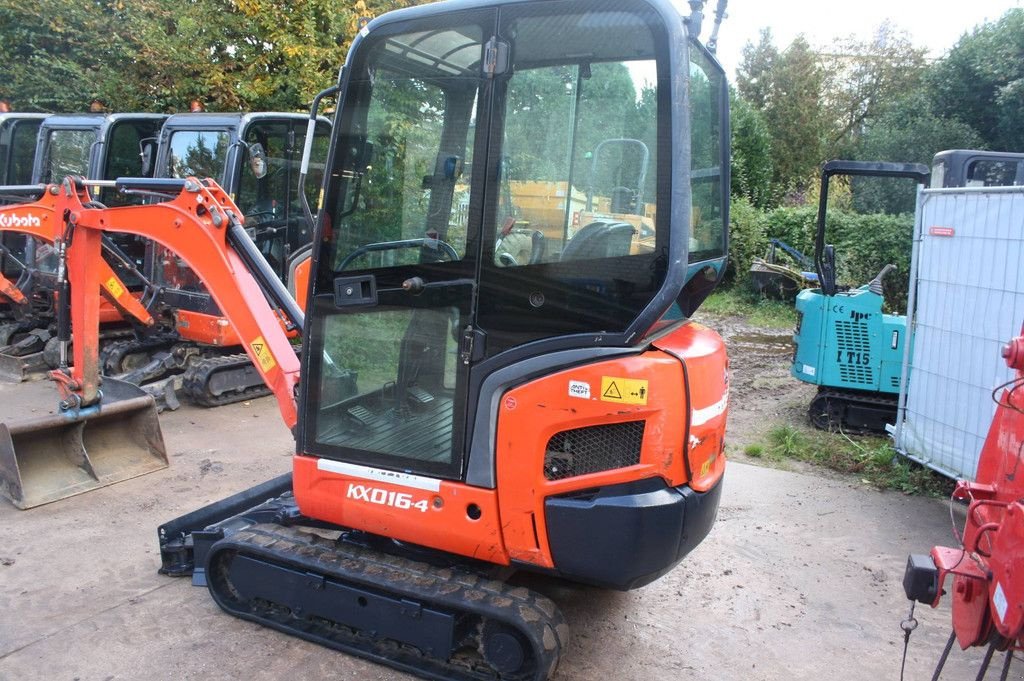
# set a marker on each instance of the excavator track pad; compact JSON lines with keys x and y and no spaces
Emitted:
{"x":434,"y":622}
{"x":47,"y":453}
{"x":215,"y":381}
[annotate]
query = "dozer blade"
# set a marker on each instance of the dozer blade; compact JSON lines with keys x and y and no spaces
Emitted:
{"x":47,"y":454}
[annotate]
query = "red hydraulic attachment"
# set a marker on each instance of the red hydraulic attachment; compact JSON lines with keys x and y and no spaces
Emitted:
{"x":988,"y":572}
{"x":197,"y":225}
{"x":12,"y":292}
{"x":40,"y":220}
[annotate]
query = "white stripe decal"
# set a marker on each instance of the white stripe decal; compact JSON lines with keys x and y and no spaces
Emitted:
{"x":379,"y":475}
{"x":702,"y":416}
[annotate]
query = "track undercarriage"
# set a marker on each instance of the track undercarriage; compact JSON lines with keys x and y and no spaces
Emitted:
{"x":852,"y":411}
{"x":417,"y":610}
{"x":167,"y":367}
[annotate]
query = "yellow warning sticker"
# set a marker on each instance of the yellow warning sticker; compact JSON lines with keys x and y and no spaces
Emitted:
{"x":114,"y":287}
{"x":262,"y":352}
{"x":624,"y":390}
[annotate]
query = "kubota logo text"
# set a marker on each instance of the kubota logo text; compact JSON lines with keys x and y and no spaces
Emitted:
{"x":376,"y":495}
{"x":8,"y":220}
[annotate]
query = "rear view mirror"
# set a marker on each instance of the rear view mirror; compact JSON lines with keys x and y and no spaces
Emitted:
{"x":147,"y":154}
{"x":258,"y":160}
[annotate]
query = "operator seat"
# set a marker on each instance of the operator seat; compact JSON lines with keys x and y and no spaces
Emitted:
{"x":603,"y":239}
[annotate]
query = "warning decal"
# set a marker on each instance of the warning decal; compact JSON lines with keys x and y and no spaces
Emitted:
{"x":262,"y":352}
{"x":114,"y":287}
{"x":624,"y":390}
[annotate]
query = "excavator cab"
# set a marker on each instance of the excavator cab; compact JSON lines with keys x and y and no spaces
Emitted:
{"x":412,"y":310}
{"x":418,"y":325}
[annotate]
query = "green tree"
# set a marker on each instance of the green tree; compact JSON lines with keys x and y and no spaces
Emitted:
{"x":799,"y":125}
{"x":158,"y":55}
{"x":981,"y":81}
{"x":57,"y":56}
{"x":863,"y":76}
{"x":906,"y":131}
{"x":787,"y":88}
{"x":754,"y":77}
{"x":751,"y":153}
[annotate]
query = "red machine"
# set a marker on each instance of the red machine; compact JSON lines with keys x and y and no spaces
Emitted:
{"x":988,"y":570}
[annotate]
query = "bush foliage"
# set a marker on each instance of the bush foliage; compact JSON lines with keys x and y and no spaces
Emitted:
{"x":864,"y":243}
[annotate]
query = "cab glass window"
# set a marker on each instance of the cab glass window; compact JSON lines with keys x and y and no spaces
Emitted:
{"x":23,"y":152}
{"x":707,"y":235}
{"x":124,"y":158}
{"x":991,"y":173}
{"x":67,"y":154}
{"x":198,"y":153}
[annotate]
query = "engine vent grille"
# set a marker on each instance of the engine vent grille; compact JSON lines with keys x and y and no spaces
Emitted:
{"x":593,"y":449}
{"x":853,"y":341}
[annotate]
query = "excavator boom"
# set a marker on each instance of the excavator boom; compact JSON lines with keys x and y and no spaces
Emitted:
{"x":201,"y":225}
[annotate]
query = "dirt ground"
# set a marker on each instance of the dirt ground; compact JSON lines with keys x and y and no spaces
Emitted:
{"x":799,"y":579}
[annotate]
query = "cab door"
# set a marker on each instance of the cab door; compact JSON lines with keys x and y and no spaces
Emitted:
{"x":391,"y":327}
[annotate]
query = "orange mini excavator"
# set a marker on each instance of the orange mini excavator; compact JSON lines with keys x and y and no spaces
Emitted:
{"x":35,"y":220}
{"x":461,"y":414}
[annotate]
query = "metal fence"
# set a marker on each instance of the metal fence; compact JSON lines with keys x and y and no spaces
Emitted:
{"x":966,"y":301}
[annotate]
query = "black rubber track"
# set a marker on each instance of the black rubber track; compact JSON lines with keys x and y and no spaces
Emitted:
{"x":248,"y":384}
{"x":479,"y":604}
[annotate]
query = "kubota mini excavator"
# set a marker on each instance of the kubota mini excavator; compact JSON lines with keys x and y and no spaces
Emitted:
{"x":460,"y":414}
{"x":97,"y":146}
{"x":987,"y":569}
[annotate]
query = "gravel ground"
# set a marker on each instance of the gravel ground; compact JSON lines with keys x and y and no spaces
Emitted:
{"x":799,"y":579}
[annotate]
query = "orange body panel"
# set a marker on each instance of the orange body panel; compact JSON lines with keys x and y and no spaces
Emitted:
{"x":438,"y":518}
{"x":300,"y":281}
{"x":707,"y":374}
{"x":205,"y":328}
{"x":532,"y":413}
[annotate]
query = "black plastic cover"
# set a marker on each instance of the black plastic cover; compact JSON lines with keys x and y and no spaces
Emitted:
{"x":625,"y":536}
{"x":921,"y":579}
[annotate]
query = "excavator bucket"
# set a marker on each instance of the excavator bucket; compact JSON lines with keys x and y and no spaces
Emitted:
{"x":47,"y":454}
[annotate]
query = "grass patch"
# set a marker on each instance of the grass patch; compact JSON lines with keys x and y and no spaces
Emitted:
{"x":754,"y":451}
{"x":740,"y":302}
{"x":871,"y":458}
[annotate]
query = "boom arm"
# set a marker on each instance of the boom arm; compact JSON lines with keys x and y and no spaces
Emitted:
{"x":201,"y":225}
{"x":39,"y":220}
